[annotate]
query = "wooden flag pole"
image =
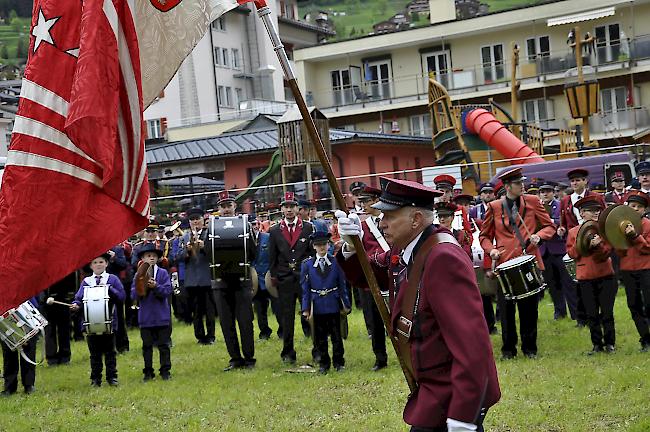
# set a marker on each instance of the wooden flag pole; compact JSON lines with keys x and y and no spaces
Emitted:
{"x":264,"y":13}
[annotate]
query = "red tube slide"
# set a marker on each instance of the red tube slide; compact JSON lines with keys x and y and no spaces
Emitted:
{"x":497,"y":136}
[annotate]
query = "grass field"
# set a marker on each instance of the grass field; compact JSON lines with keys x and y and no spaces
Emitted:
{"x":563,"y":390}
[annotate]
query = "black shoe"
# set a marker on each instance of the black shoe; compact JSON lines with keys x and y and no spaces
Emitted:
{"x":166,"y":376}
{"x":494,"y":331}
{"x":610,"y":349}
{"x":65,"y":361}
{"x":265,"y":336}
{"x":378,"y":366}
{"x":7,"y":393}
{"x":645,"y":347}
{"x":29,"y":389}
{"x":531,"y":355}
{"x":339,"y":368}
{"x":148,"y":377}
{"x":250,"y":363}
{"x":323,"y":370}
{"x":230,"y":367}
{"x":210,"y":341}
{"x":53,"y":362}
{"x":508,"y":356}
{"x":288,"y":360}
{"x":112,"y":382}
{"x":596,"y":349}
{"x":581,"y":324}
{"x":96,"y":383}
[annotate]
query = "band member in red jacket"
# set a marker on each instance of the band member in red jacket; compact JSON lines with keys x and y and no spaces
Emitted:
{"x":513,"y":222}
{"x":595,"y":276}
{"x":635,"y":267}
{"x":450,"y":348}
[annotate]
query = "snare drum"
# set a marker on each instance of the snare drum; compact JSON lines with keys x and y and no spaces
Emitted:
{"x":570,"y":266}
{"x":96,"y":310}
{"x":520,"y":277}
{"x":227,"y":246}
{"x":19,"y":325}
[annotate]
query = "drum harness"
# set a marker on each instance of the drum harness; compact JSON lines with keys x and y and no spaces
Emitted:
{"x":515,"y":228}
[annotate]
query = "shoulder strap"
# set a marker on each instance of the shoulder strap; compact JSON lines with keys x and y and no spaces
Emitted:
{"x":513,"y":223}
{"x":412,"y":294}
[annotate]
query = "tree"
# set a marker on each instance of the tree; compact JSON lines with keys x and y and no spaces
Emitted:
{"x":12,"y":16}
{"x":4,"y":52}
{"x":415,"y":17}
{"x":21,"y":49}
{"x":353,"y":31}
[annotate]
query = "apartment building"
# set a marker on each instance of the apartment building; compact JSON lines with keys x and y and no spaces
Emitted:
{"x":232,"y":75}
{"x":381,"y":81}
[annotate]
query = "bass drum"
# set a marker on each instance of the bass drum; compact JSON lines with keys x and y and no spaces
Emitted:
{"x":227,"y":246}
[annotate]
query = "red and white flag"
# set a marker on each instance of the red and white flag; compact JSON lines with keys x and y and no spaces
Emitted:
{"x":75,"y":182}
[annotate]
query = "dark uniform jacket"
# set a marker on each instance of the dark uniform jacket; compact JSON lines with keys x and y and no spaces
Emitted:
{"x":287,"y":252}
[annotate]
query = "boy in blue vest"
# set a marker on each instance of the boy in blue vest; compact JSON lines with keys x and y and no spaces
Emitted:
{"x":154,"y":314}
{"x":102,"y":346}
{"x":325,"y":297}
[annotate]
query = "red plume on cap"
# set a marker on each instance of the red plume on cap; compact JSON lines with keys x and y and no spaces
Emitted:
{"x":223,"y":195}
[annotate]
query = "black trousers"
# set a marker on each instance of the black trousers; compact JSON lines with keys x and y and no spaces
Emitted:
{"x":527,"y":324}
{"x":160,"y":337}
{"x":234,"y":303}
{"x":202,"y":297}
{"x":561,"y":286}
{"x":637,"y":290}
{"x":261,"y":302}
{"x":377,"y":332}
{"x":479,"y":425}
{"x":329,"y":325}
{"x":102,"y":349}
{"x":488,"y":312}
{"x":12,"y":361}
{"x":121,"y":336}
{"x":288,"y":294}
{"x":57,"y":334}
{"x":598,"y":296}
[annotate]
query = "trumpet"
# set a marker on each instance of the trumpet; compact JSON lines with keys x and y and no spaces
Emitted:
{"x":194,"y":243}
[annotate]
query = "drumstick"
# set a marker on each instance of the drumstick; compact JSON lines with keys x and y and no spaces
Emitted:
{"x":527,"y":232}
{"x":51,"y":301}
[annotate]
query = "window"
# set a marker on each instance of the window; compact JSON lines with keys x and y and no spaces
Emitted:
{"x":537,"y":47}
{"x":236,"y":61}
{"x":608,"y":43}
{"x":225,"y":57}
{"x":535,"y":111}
{"x":493,"y":64}
{"x":225,"y":96}
{"x":239,"y":97}
{"x":219,"y":24}
{"x":377,"y":74}
{"x":218,"y":59}
{"x":341,"y":86}
{"x":613,"y":99}
{"x":228,"y":96}
{"x":154,"y":129}
{"x":421,"y":125}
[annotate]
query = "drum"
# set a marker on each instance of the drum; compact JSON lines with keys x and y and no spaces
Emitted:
{"x":520,"y":277}
{"x":227,"y":246}
{"x":97,"y":317}
{"x":570,"y":266}
{"x":19,"y":325}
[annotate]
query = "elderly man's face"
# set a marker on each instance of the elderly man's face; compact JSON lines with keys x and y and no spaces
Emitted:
{"x":401,"y":226}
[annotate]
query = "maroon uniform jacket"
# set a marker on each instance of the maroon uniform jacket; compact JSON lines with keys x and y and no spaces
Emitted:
{"x":567,"y":218}
{"x":451,"y":352}
{"x":496,"y":225}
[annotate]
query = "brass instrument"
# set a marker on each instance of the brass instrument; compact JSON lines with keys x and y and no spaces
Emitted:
{"x":142,"y":277}
{"x":194,"y":243}
{"x":613,"y":221}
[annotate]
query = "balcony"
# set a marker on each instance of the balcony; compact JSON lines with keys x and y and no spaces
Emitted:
{"x":620,"y":123}
{"x":361,"y":94}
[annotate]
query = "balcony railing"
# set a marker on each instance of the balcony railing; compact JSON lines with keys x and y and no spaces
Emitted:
{"x":458,"y":80}
{"x":613,"y":123}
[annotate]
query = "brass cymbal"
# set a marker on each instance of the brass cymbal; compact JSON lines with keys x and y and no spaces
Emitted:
{"x":585,"y":235}
{"x":614,"y":223}
{"x":603,"y":216}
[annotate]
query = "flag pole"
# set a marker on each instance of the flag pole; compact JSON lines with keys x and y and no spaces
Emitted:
{"x":264,"y":13}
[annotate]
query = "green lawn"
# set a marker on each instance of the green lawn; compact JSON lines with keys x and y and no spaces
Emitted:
{"x":563,"y":390}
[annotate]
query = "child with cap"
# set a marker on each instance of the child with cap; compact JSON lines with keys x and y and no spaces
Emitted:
{"x":595,"y":275}
{"x":102,"y":346}
{"x":635,"y":267}
{"x":324,"y":298}
{"x":154,"y":314}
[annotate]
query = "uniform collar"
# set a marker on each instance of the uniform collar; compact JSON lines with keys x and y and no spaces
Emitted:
{"x":408,"y":250}
{"x":318,"y":258}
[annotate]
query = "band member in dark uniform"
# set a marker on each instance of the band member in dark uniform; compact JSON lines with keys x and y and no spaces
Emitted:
{"x":263,"y":297}
{"x":446,"y":212}
{"x":57,"y":331}
{"x":635,"y":268}
{"x":445,"y":183}
{"x":373,"y":241}
{"x":197,"y":277}
{"x":288,"y":246}
{"x":436,"y":309}
{"x":234,"y":299}
{"x":517,"y":222}
{"x":116,"y":265}
{"x":13,"y":361}
{"x":486,"y":193}
{"x":595,"y":276}
{"x":617,"y":194}
{"x":560,"y":285}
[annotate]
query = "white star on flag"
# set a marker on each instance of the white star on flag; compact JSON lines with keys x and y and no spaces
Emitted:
{"x":41,"y":31}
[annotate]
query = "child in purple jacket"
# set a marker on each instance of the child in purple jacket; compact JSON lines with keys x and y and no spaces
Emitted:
{"x":154,"y":315}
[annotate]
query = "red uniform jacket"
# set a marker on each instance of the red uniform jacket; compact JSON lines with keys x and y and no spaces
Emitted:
{"x":638,"y":256}
{"x":596,"y":265}
{"x":451,"y":354}
{"x":567,"y":218}
{"x":497,"y":226}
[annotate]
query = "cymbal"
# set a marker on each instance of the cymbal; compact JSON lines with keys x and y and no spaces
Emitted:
{"x":613,"y":223}
{"x":269,"y":286}
{"x":255,"y":283}
{"x":585,"y":234}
